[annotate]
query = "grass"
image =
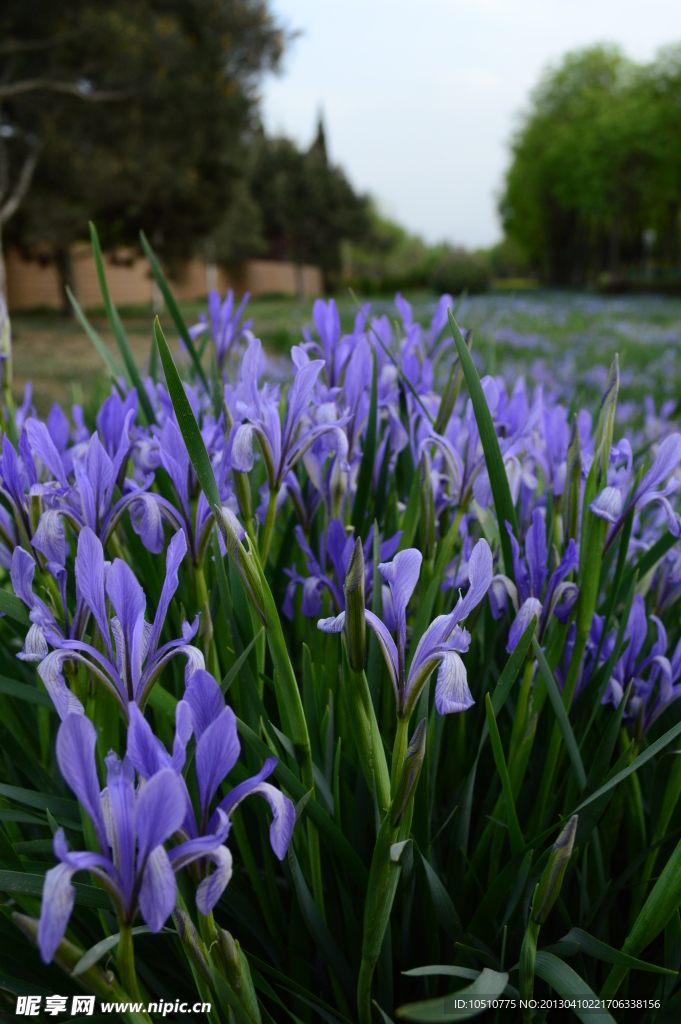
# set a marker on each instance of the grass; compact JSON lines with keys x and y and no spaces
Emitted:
{"x":561,"y":341}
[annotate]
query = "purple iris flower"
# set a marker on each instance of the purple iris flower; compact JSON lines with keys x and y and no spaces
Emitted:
{"x":131,"y":826}
{"x":609,"y":504}
{"x":330,"y":570}
{"x":90,"y":501}
{"x":130,"y":665}
{"x":334,"y":350}
{"x":203,"y":712}
{"x":666,"y":672}
{"x":281,"y":448}
{"x":531,"y":573}
{"x":631,"y":667}
{"x":440,"y":645}
{"x":225,"y":326}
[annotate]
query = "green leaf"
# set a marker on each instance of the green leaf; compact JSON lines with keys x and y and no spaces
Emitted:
{"x":501,"y":491}
{"x":568,"y":984}
{"x":656,"y":913}
{"x":131,"y":371}
{"x":26,"y":692}
{"x":14,"y":608}
{"x":237,"y":666}
{"x":514,"y":833}
{"x":509,"y":675}
{"x":445,"y":910}
{"x":412,"y":514}
{"x":637,"y":763}
{"x":102,"y":348}
{"x":337,"y":842}
{"x":96,"y":952}
{"x":366,"y":468}
{"x":561,"y":715}
{"x":42,"y":801}
{"x":186,"y":420}
{"x":488,"y":985}
{"x":322,"y":937}
{"x":173,"y":308}
{"x":445,"y":970}
{"x":32,"y":885}
{"x":601,"y":951}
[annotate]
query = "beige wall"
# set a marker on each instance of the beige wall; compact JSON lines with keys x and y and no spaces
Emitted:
{"x":30,"y":284}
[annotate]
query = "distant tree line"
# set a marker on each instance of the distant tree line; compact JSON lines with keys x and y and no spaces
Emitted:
{"x":593,"y":192}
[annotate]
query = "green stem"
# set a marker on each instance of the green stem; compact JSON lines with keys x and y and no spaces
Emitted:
{"x":399,"y":750}
{"x":366,"y":974}
{"x":268,"y":528}
{"x":209,"y":650}
{"x":126,"y":962}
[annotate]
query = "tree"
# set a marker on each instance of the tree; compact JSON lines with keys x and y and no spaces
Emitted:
{"x":167,"y":158}
{"x":308,"y":206}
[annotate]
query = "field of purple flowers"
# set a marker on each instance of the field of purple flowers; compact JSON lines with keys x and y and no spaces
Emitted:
{"x":335,"y":684}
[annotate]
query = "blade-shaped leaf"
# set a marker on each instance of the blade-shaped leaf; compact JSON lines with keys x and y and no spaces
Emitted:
{"x":14,"y":608}
{"x":96,"y":952}
{"x":514,"y":833}
{"x":321,"y":935}
{"x":131,"y":371}
{"x":561,"y":715}
{"x":568,"y":984}
{"x":488,"y":985}
{"x":501,"y":491}
{"x":601,"y":951}
{"x":32,"y":885}
{"x":173,"y":308}
{"x":108,"y":358}
{"x":189,"y":428}
{"x":25,"y":692}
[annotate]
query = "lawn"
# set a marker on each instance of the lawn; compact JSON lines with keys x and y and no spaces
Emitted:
{"x":562,"y":341}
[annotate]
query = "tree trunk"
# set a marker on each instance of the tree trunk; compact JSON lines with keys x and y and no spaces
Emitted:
{"x":64,"y":267}
{"x":3,"y":272}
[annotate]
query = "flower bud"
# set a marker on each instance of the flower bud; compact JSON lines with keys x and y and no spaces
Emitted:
{"x":409,"y":774}
{"x":238,"y":973}
{"x":191,"y":941}
{"x":355,"y":624}
{"x":573,"y":480}
{"x":548,"y":889}
{"x":233,"y":533}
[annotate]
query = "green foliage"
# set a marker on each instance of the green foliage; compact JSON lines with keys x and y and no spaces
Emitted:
{"x":595,"y":165}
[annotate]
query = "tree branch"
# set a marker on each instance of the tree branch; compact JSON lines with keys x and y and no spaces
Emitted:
{"x":71,"y":88}
{"x":30,"y":45}
{"x":21,"y":188}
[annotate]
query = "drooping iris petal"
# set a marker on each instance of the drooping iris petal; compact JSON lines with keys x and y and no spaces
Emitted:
{"x":76,"y":742}
{"x":212,"y":887}
{"x":158,"y":890}
{"x":283,"y":811}
{"x":452,"y":693}
{"x":58,"y":899}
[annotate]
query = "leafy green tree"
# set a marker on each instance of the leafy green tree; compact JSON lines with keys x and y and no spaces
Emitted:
{"x":308,"y":206}
{"x":168,"y":153}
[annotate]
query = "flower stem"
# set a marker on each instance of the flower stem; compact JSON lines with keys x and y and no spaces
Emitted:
{"x":126,"y":962}
{"x":268,"y":528}
{"x":366,"y":974}
{"x":399,"y":750}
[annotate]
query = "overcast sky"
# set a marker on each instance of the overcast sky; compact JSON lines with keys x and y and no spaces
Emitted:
{"x":420,"y":97}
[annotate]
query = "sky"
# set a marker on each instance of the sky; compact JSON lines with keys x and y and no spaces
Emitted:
{"x":420,"y":99}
